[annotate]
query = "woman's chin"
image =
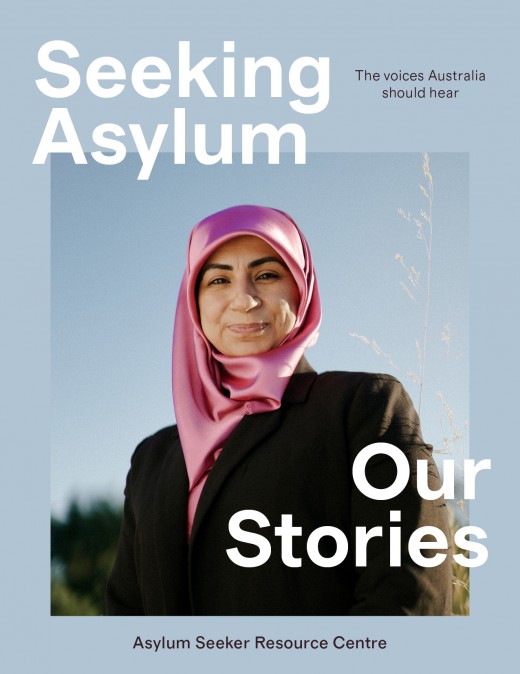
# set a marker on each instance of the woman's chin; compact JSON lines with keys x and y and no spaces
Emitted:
{"x":247,"y":348}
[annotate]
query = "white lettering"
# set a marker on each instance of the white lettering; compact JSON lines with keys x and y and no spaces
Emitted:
{"x":148,"y":155}
{"x":470,"y":472}
{"x":59,"y":118}
{"x":471,"y":546}
{"x":359,"y":467}
{"x":416,"y":544}
{"x":263,"y":545}
{"x":118,"y":148}
{"x":68,"y":71}
{"x":249,"y":132}
{"x":141,"y":73}
{"x":320,"y":89}
{"x":286,"y":531}
{"x":95,"y":75}
{"x":188,"y":74}
{"x":341,"y":546}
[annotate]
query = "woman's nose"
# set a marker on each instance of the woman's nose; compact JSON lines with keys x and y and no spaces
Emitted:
{"x":245,"y":298}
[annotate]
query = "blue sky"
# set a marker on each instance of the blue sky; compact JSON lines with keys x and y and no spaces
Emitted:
{"x":118,"y":251}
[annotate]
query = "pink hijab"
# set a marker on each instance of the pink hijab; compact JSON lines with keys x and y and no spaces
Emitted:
{"x":212,"y":392}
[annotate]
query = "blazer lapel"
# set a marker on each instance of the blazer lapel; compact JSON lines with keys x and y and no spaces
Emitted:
{"x":251,"y":430}
{"x":249,"y":433}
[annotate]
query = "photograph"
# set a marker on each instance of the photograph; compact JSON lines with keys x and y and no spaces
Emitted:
{"x":271,"y":416}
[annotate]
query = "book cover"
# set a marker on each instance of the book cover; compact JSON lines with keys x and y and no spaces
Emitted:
{"x":388,"y":132}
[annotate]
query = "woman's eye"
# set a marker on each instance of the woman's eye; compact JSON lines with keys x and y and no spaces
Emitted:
{"x":217,"y":281}
{"x":266,"y":275}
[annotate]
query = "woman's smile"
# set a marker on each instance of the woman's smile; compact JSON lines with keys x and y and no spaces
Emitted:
{"x":248,"y":328}
{"x":247,"y":297}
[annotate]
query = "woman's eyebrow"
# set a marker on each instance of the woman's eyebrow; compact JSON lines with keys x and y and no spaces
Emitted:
{"x":251,"y":265}
{"x":215,"y":265}
{"x":264,"y":260}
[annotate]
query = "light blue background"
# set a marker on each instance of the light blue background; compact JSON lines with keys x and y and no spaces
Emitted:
{"x":483,"y":121}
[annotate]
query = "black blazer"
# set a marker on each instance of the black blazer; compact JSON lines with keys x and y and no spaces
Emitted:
{"x":298,"y":460}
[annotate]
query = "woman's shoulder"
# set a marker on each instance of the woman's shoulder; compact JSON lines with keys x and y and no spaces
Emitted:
{"x":156,"y":458}
{"x":364,"y":392}
{"x":164,"y":435}
{"x":341,"y":385}
{"x":154,"y":447}
{"x":359,"y":382}
{"x":358,"y":377}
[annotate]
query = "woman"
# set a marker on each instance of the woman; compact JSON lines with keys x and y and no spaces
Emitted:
{"x":260,"y":435}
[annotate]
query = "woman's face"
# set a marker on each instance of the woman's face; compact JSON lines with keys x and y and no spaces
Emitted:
{"x":247,"y":297}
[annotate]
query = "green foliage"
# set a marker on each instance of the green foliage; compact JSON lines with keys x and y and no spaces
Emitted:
{"x":460,"y":574}
{"x":83,"y":548}
{"x":65,"y":602}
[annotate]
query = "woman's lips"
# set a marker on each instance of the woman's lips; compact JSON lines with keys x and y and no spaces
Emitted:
{"x":247,"y":328}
